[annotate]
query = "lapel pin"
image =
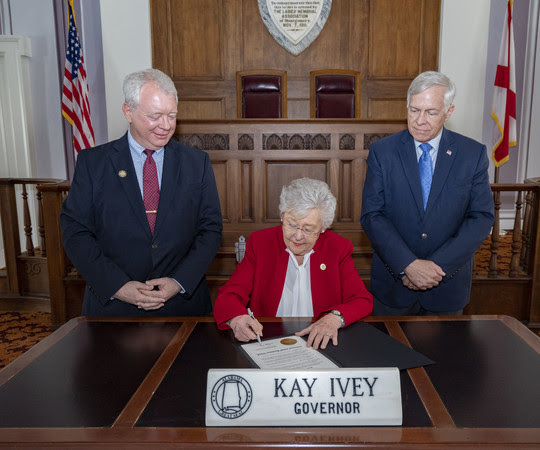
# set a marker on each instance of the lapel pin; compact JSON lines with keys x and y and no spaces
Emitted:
{"x":449,"y":152}
{"x":122,"y":174}
{"x":323,"y":266}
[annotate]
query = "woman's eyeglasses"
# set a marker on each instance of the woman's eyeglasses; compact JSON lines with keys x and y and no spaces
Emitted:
{"x":293,"y":228}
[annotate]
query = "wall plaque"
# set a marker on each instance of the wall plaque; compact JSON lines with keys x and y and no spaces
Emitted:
{"x":294,"y":24}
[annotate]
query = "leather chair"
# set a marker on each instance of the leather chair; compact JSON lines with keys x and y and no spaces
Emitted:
{"x":335,"y":93}
{"x":261,"y":94}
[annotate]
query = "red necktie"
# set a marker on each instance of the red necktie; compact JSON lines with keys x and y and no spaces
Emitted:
{"x":150,"y":189}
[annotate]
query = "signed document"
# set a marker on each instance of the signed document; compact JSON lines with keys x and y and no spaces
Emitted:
{"x":289,"y":352}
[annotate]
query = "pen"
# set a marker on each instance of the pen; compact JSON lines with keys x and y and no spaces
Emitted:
{"x":253,"y":317}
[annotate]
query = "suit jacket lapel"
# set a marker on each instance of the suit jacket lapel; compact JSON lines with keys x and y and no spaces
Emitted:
{"x":407,"y":154}
{"x":169,"y":181}
{"x":122,"y":162}
{"x":445,"y":158}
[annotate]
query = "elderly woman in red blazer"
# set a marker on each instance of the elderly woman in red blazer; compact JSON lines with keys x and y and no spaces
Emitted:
{"x":298,"y":269}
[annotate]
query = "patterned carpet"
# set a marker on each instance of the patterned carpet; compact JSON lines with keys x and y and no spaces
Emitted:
{"x":483,"y":255}
{"x":19,"y":331}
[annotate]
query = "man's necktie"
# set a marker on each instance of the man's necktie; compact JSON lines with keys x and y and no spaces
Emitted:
{"x":150,"y":189}
{"x":425,"y":165}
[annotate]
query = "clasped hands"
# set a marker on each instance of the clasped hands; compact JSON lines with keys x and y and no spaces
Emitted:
{"x":149,"y":296}
{"x":422,"y":274}
{"x":246,"y":329}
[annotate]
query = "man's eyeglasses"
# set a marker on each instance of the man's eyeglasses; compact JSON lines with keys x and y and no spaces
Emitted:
{"x":293,"y":228}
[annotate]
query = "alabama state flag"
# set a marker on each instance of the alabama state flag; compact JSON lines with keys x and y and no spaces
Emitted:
{"x":503,"y":107}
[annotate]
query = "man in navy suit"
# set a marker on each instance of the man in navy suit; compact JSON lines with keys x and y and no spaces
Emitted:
{"x":139,"y":260}
{"x":425,"y":208}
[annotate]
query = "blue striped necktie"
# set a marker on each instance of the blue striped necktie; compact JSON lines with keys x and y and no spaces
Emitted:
{"x":425,"y":166}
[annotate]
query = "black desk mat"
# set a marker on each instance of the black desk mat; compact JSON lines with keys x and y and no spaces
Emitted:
{"x":180,"y":399}
{"x":87,"y":378}
{"x":486,"y":375}
{"x":363,"y":345}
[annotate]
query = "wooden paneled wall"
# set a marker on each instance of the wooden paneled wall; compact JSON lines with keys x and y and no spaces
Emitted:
{"x":202,"y":43}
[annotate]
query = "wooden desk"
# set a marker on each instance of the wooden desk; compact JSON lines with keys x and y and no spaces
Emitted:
{"x":116,"y":383}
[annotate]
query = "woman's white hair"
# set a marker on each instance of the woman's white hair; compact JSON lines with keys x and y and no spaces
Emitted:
{"x":302,"y":195}
{"x":429,"y":79}
{"x":136,"y":80}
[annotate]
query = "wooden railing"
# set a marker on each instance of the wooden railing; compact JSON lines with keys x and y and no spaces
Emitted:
{"x":26,"y":270}
{"x":64,"y":304}
{"x":506,"y":279}
{"x":519,"y":241}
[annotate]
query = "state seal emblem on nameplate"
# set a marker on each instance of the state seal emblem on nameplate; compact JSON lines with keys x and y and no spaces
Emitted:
{"x":294,"y":24}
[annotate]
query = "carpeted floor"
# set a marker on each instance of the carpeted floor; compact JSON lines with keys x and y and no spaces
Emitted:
{"x":19,"y":331}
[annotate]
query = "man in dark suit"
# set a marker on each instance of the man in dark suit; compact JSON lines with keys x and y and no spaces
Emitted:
{"x":426,"y":207}
{"x":142,"y":220}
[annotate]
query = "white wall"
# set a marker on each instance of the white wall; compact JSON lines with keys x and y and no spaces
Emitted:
{"x":126,"y":48}
{"x":462,"y":57}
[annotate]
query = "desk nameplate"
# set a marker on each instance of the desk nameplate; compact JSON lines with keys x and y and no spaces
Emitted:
{"x":336,"y":397}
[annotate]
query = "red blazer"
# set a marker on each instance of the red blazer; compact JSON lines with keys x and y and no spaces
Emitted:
{"x":259,"y":278}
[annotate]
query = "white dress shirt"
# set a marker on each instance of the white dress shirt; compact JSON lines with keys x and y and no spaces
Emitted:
{"x":434,"y":149}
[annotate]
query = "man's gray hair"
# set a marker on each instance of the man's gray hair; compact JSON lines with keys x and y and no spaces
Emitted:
{"x":429,"y":79}
{"x":136,"y":80}
{"x":302,"y":195}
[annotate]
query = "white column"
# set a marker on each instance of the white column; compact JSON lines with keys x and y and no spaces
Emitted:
{"x":17,"y":152}
{"x":529,"y":138}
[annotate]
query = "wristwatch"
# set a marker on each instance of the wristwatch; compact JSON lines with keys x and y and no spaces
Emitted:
{"x":337,"y":313}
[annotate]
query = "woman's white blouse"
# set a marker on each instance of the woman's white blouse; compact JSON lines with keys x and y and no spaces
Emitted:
{"x":296,"y":296}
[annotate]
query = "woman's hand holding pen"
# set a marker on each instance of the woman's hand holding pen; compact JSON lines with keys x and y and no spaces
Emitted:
{"x":245,"y":328}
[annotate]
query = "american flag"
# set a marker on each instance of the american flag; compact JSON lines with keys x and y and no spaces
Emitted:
{"x":75,"y":105}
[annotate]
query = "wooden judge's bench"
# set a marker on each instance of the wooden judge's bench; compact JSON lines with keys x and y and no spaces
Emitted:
{"x":254,"y":159}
